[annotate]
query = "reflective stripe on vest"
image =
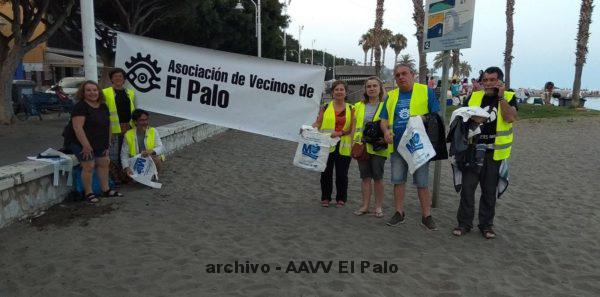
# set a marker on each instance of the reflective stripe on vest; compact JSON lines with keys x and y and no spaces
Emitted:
{"x":359,"y":115}
{"x":419,"y":105}
{"x":504,"y":130}
{"x":328,"y":126}
{"x":109,"y":96}
{"x":150,"y":141}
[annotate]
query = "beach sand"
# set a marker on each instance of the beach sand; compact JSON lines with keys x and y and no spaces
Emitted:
{"x":237,"y":197}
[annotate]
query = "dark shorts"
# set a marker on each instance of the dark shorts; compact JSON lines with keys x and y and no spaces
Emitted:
{"x":372,"y":168}
{"x":76,"y":149}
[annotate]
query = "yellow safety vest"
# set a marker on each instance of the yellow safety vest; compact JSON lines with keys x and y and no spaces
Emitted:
{"x":130,"y":138}
{"x":504,"y":130}
{"x":359,"y":115}
{"x":109,"y":95}
{"x":419,"y":105}
{"x":328,"y":126}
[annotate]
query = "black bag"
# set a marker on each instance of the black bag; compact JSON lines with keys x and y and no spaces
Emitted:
{"x":373,"y":134}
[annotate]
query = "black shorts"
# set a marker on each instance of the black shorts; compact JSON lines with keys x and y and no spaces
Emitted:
{"x":372,"y":168}
{"x":76,"y":149}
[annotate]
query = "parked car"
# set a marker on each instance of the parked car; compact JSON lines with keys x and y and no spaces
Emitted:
{"x":68,"y":85}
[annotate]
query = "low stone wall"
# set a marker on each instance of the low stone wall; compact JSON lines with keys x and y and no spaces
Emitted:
{"x":26,"y":187}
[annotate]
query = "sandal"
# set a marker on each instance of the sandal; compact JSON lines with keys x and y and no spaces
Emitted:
{"x":340,"y":203}
{"x":111,"y":193}
{"x":379,"y":213}
{"x":488,"y":234}
{"x":91,"y":198}
{"x":360,"y":212}
{"x":460,"y":231}
{"x":325,"y":203}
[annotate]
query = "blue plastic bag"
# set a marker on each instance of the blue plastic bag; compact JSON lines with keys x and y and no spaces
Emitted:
{"x":78,"y":185}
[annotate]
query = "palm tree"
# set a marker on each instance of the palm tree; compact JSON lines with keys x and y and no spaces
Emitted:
{"x":407,"y":60}
{"x":583,"y":34}
{"x":366,"y":40}
{"x":455,"y":62}
{"x":438,"y":61}
{"x":464,"y":69}
{"x":374,"y":44}
{"x":419,"y":18}
{"x":398,"y":43}
{"x":386,"y":39}
{"x":510,"y":32}
{"x":378,"y":37}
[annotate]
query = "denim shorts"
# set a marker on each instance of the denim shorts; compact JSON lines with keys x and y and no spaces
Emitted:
{"x":400,"y":172}
{"x":76,"y":149}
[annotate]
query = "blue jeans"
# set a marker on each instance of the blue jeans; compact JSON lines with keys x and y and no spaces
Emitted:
{"x":400,"y":172}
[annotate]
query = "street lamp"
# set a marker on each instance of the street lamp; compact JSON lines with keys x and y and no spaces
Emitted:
{"x":312,"y":52}
{"x":299,"y":46}
{"x":239,"y":6}
{"x":285,"y":7}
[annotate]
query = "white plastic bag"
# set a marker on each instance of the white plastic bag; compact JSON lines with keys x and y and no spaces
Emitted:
{"x":313,"y":149}
{"x":144,"y":170}
{"x":415,"y":146}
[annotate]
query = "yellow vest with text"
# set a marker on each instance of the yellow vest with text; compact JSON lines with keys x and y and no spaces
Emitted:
{"x":359,"y":115}
{"x":109,"y":95}
{"x":150,"y":138}
{"x":328,"y":126}
{"x":504,"y":130}
{"x":419,"y":105}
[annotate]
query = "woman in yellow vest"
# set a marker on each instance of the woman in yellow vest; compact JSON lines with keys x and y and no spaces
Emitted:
{"x":336,"y":118}
{"x":367,"y":110}
{"x":143,"y":140}
{"x":121,"y":103}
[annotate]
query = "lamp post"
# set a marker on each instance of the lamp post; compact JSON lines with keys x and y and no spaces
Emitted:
{"x":285,"y":7}
{"x":90,"y":62}
{"x":324,"y":57}
{"x":239,"y":6}
{"x":312,"y":52}
{"x":333,"y":66}
{"x":299,"y":46}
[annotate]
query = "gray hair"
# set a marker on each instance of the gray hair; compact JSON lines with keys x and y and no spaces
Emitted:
{"x":409,"y":66}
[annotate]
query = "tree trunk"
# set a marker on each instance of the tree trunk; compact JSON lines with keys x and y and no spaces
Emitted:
{"x":7,"y":72}
{"x":378,"y":28}
{"x":372,"y":54}
{"x":455,"y":63}
{"x":395,"y":63}
{"x":383,"y":58}
{"x":510,"y":32}
{"x":583,"y":35}
{"x":419,"y":18}
{"x":365,"y":63}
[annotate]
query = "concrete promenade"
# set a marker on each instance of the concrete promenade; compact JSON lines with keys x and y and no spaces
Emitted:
{"x":237,"y":197}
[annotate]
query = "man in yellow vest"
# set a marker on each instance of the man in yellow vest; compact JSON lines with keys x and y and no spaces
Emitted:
{"x":143,"y":140}
{"x":495,"y":140}
{"x":121,"y":103}
{"x":408,"y":100}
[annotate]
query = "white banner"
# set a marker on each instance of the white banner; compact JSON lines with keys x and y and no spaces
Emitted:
{"x":262,"y":96}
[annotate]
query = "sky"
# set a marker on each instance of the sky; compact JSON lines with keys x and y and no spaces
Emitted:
{"x":544,"y":40}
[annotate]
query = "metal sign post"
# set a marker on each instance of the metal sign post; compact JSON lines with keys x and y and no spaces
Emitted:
{"x":448,"y":26}
{"x":443,"y":96}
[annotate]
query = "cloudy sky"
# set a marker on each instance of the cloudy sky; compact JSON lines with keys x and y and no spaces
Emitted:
{"x":545,"y":33}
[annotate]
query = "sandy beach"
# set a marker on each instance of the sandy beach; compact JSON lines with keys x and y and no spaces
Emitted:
{"x":237,"y":197}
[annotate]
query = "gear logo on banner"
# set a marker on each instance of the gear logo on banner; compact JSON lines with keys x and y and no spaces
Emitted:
{"x":142,"y":73}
